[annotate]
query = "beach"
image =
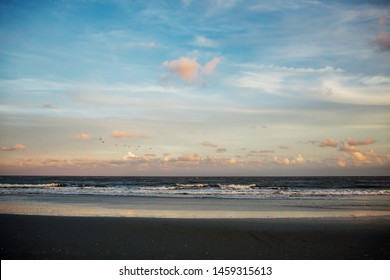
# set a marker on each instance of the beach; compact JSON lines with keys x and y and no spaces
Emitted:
{"x":59,"y":237}
{"x":194,"y":218}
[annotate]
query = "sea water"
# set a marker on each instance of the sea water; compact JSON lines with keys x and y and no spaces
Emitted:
{"x":196,"y":197}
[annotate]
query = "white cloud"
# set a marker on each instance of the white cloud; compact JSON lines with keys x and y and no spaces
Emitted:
{"x":268,"y":82}
{"x":203,"y":41}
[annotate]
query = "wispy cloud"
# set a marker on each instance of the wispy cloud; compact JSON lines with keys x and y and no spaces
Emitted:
{"x":16,"y":147}
{"x":49,"y":106}
{"x":350,"y":141}
{"x":83,"y":136}
{"x":221,"y":150}
{"x":210,"y":66}
{"x":207,"y":143}
{"x":382,"y":41}
{"x":328,"y":143}
{"x":202,"y":41}
{"x":118,"y":134}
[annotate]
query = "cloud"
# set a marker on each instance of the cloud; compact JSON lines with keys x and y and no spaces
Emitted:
{"x":209,"y":144}
{"x":376,"y":80}
{"x":221,"y":150}
{"x":351,"y":142}
{"x":49,"y":106}
{"x":328,"y":143}
{"x":16,"y":147}
{"x":299,"y":159}
{"x":382,"y":20}
{"x":348,"y":149}
{"x":185,"y":68}
{"x":358,"y":156}
{"x":148,"y":45}
{"x":189,"y":158}
{"x":188,"y":69}
{"x":382,"y":41}
{"x":129,"y":156}
{"x":83,"y":136}
{"x":209,"y":68}
{"x":283,"y":147}
{"x":202,"y":41}
{"x":341,"y":162}
{"x":266,"y":81}
{"x":118,"y":134}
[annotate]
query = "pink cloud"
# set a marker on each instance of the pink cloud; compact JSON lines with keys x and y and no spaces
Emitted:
{"x":188,"y":69}
{"x":83,"y":136}
{"x":16,"y":147}
{"x":328,"y":143}
{"x":209,"y":68}
{"x":383,"y":20}
{"x":185,"y":68}
{"x":353,"y":142}
{"x":118,"y":134}
{"x":382,"y":41}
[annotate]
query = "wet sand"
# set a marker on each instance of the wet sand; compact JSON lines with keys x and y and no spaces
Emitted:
{"x":61,"y":237}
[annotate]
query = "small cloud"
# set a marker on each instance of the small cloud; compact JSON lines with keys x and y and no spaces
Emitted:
{"x":186,"y":2}
{"x":202,"y":41}
{"x":129,"y":156}
{"x":49,"y":106}
{"x":209,"y":144}
{"x":328,"y":143}
{"x":358,"y":156}
{"x":118,"y":134}
{"x":283,"y":147}
{"x":188,"y":70}
{"x":382,"y":41}
{"x":16,"y":147}
{"x":148,"y":45}
{"x":382,"y":20}
{"x":83,"y":136}
{"x":352,"y":142}
{"x":190,"y":158}
{"x":221,"y":150}
{"x":209,"y":68}
{"x":341,"y":162}
{"x":299,"y":159}
{"x":267,"y":151}
{"x":348,"y":149}
{"x":185,"y":68}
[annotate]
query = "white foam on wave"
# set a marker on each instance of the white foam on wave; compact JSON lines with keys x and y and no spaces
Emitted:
{"x":49,"y":185}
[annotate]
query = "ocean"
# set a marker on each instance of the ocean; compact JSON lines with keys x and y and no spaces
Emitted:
{"x":199,"y":187}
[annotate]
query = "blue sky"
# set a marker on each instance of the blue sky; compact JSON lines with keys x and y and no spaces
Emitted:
{"x":195,"y":87}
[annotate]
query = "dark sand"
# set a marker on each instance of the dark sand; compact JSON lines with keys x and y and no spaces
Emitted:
{"x":54,"y":237}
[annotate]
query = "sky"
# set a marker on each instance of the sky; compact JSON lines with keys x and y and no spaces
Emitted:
{"x":235,"y":87}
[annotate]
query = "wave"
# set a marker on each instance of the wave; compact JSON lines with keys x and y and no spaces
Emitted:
{"x":49,"y":185}
{"x":211,"y":190}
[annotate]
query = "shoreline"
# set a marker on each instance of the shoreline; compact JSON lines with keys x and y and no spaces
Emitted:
{"x":200,"y":208}
{"x":59,"y":237}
